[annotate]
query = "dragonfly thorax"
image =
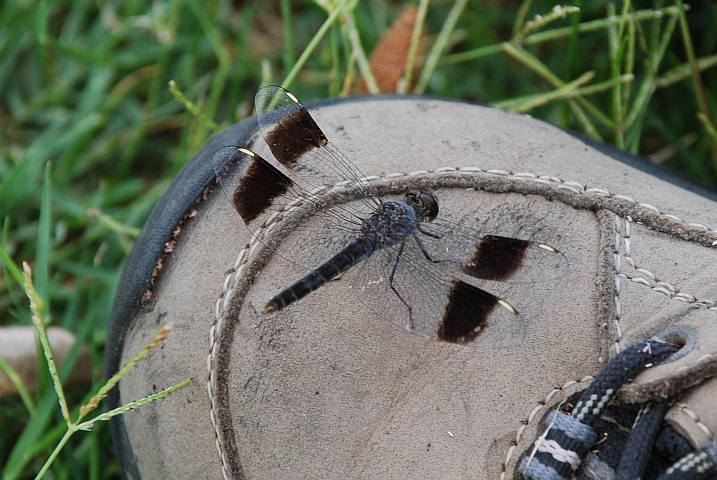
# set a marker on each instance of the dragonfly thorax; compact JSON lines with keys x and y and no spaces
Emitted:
{"x":390,"y":224}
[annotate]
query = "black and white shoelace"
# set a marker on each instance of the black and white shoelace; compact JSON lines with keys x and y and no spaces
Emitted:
{"x":561,"y":450}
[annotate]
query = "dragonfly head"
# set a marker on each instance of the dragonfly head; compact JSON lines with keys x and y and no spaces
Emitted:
{"x":424,"y":204}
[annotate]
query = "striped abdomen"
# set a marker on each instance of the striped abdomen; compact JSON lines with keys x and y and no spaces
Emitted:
{"x":359,"y":250}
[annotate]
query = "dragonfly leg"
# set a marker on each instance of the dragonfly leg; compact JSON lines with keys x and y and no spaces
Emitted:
{"x":411,"y":326}
{"x":428,"y":234}
{"x":423,"y":249}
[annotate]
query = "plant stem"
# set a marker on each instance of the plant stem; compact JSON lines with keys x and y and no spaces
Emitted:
{"x":288,"y":55}
{"x":54,"y":453}
{"x":440,"y":45}
{"x":557,"y":33}
{"x":288,"y":80}
{"x":415,"y":43}
{"x":38,"y":317}
{"x":570,"y":90}
{"x":576,"y":105}
{"x":520,"y":17}
{"x":706,"y":118}
{"x":358,"y":52}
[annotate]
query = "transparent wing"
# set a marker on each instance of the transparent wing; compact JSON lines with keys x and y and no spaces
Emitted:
{"x":273,"y":206}
{"x":491,"y":257}
{"x":301,"y":147}
{"x":442,"y":306}
{"x":433,"y":298}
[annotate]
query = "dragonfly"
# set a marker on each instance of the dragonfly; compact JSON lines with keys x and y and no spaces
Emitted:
{"x":312,"y":206}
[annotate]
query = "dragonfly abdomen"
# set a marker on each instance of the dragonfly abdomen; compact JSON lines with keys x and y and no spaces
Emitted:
{"x":358,"y":251}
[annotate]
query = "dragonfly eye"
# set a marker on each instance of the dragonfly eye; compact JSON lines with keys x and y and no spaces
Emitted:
{"x":424,"y":203}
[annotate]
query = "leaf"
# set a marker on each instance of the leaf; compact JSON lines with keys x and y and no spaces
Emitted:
{"x":389,"y":58}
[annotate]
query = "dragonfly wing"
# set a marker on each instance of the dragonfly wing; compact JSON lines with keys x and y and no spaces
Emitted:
{"x":441,"y":306}
{"x":301,"y":147}
{"x":273,"y":206}
{"x":492,"y":257}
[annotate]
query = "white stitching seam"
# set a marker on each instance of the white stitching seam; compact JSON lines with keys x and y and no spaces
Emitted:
{"x":234,"y":275}
{"x":623,"y":250}
{"x":693,"y":416}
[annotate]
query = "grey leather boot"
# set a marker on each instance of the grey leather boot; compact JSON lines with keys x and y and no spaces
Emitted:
{"x":327,"y":388}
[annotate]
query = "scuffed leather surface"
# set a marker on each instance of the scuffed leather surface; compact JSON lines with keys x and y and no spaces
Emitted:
{"x":327,"y":389}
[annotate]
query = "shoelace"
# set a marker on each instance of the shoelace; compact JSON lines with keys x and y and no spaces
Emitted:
{"x":559,"y":452}
{"x":698,"y":465}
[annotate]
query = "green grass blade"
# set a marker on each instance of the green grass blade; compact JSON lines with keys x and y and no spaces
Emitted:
{"x":570,"y":90}
{"x":23,"y":451}
{"x":358,"y":52}
{"x":10,"y":265}
{"x":43,"y":245}
{"x":288,"y":55}
{"x":405,"y":84}
{"x":576,"y":105}
{"x":191,"y":107}
{"x":289,"y":79}
{"x":334,"y":75}
{"x":14,"y":377}
{"x":559,"y":33}
{"x":520,"y":17}
{"x":596,"y":25}
{"x":705,"y":113}
{"x":221,"y":75}
{"x":439,"y":46}
{"x":684,"y":71}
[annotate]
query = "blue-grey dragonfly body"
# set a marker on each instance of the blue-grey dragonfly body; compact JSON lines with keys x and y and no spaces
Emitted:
{"x":390,"y":225}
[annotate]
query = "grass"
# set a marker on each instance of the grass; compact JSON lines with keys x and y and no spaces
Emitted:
{"x":91,"y":132}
